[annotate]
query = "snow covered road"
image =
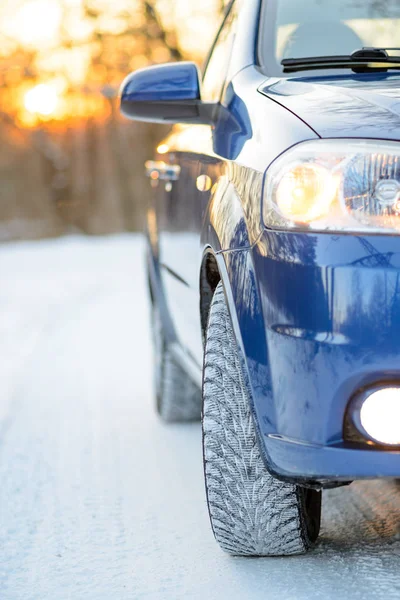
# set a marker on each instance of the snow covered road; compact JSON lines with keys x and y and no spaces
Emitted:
{"x":98,"y":499}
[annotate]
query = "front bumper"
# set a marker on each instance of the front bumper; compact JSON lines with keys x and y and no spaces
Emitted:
{"x":329,"y":325}
{"x":304,"y":463}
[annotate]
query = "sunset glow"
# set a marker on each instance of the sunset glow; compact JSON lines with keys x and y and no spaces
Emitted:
{"x":42,"y":100}
{"x":63,"y":60}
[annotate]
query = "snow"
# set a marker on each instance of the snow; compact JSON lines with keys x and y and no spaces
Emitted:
{"x":98,"y":499}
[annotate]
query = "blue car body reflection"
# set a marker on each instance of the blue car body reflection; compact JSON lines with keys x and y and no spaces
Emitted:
{"x":317,"y":315}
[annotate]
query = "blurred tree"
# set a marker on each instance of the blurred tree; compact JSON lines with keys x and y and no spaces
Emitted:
{"x":58,"y":96}
{"x":98,"y":42}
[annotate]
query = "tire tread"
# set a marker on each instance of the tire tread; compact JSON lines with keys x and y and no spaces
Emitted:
{"x":251,"y":512}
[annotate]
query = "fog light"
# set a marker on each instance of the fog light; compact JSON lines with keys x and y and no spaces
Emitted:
{"x":380,"y":415}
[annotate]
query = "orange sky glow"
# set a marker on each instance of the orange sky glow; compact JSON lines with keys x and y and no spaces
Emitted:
{"x":60,"y":36}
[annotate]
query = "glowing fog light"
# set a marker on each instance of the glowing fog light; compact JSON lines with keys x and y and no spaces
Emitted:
{"x":380,"y":416}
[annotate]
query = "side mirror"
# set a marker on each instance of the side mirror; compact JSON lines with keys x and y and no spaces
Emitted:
{"x":167,"y":93}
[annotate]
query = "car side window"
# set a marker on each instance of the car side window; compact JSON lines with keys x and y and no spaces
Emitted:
{"x":219,"y":59}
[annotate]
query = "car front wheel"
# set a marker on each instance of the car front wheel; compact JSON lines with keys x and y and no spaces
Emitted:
{"x":251,"y":512}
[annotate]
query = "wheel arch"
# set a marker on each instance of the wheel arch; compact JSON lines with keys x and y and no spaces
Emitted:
{"x":236,"y":271}
{"x":210,"y":277}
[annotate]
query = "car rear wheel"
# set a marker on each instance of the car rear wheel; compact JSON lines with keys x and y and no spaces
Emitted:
{"x":251,"y":512}
{"x":178,"y":398}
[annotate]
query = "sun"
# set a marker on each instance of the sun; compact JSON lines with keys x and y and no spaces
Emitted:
{"x":42,"y":100}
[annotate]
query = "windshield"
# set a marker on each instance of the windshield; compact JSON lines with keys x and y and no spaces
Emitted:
{"x":305,"y":28}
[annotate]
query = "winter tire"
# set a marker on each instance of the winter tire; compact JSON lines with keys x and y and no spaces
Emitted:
{"x":178,"y":397}
{"x":251,"y":512}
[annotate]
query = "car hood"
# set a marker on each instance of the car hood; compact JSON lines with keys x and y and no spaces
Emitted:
{"x":354,"y":106}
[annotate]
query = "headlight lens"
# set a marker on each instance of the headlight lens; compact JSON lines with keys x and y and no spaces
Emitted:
{"x":336,"y":185}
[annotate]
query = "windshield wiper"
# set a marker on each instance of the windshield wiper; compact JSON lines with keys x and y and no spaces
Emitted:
{"x":360,"y":61}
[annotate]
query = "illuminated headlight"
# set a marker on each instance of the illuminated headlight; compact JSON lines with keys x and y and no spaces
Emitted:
{"x":335,"y":185}
{"x":378,"y":415}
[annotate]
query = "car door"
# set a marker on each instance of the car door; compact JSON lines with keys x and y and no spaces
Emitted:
{"x":182,"y":196}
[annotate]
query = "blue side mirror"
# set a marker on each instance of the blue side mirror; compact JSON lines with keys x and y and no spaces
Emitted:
{"x":167,"y":93}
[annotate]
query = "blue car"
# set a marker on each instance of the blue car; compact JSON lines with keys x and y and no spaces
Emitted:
{"x":273,"y":258}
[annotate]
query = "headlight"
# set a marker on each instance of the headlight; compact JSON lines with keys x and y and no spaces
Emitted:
{"x":335,"y":185}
